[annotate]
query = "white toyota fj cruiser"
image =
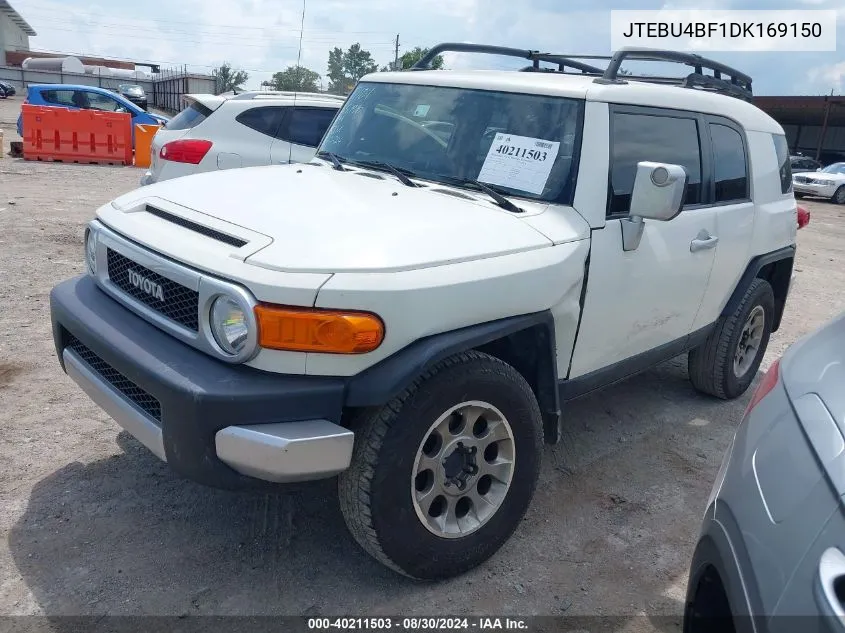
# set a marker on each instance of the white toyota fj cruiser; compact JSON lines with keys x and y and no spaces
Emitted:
{"x":412,"y":309}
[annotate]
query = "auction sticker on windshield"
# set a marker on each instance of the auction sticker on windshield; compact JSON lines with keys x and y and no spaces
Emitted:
{"x":519,"y":162}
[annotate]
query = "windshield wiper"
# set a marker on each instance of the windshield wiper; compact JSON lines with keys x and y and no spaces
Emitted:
{"x":377,"y":164}
{"x":497,"y":197}
{"x":332,"y":157}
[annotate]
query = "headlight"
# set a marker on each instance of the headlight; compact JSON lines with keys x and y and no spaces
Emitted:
{"x":91,"y":251}
{"x":229,"y":325}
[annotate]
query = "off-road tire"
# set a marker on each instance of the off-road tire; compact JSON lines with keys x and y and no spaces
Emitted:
{"x":375,"y":492}
{"x":711,"y":364}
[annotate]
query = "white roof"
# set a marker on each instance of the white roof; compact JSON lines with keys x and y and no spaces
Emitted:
{"x":584,"y":87}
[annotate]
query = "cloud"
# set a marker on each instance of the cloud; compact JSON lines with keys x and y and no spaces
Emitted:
{"x":262,"y":36}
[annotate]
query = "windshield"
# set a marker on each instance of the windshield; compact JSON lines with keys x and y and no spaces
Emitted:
{"x":835,"y":168}
{"x":524,"y":145}
{"x":133,"y":90}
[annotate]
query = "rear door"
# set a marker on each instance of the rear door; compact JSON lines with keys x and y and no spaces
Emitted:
{"x":247,"y":142}
{"x":300,"y":133}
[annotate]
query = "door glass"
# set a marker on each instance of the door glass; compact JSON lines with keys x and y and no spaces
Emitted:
{"x":59,"y":97}
{"x":731,"y":171}
{"x":306,"y":126}
{"x":102,"y":102}
{"x":645,"y":137}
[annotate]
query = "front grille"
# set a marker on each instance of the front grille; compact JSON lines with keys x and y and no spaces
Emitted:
{"x":802,"y":179}
{"x":179,"y":303}
{"x":147,"y":403}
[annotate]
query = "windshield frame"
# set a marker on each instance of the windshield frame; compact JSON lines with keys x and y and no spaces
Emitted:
{"x":566,"y":195}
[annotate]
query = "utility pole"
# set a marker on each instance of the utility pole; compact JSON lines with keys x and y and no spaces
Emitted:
{"x":396,"y":60}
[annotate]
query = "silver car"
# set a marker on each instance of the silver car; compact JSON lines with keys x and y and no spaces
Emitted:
{"x":771,"y":552}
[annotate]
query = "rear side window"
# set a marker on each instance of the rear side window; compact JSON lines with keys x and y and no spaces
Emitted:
{"x":784,"y":164}
{"x":306,"y":126}
{"x":647,"y":137}
{"x":731,"y":170}
{"x":265,"y":120}
{"x":58,"y":97}
{"x":190,"y":117}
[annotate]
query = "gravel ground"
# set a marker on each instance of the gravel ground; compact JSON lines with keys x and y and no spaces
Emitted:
{"x":93,"y":524}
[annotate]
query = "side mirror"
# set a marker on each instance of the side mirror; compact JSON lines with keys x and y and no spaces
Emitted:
{"x":658,"y":195}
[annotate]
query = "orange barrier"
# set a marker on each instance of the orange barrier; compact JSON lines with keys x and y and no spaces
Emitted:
{"x":143,"y":142}
{"x":76,"y":136}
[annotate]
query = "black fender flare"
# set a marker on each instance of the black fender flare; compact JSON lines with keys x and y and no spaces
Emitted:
{"x":387,"y":379}
{"x":751,"y":272}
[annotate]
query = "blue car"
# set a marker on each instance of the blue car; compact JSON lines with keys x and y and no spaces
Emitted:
{"x":86,"y":98}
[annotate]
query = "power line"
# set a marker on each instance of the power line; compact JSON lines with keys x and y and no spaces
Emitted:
{"x":51,"y":12}
{"x":214,"y":39}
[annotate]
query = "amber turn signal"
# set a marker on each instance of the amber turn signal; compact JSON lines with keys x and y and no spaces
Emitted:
{"x":321,"y":331}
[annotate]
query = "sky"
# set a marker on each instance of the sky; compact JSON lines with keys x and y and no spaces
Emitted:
{"x":263,"y":36}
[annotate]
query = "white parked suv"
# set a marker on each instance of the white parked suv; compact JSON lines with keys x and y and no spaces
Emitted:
{"x":244,"y":130}
{"x":467,"y":252}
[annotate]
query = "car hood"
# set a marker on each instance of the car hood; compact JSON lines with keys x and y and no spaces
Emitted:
{"x":818,"y":175}
{"x":317,"y":219}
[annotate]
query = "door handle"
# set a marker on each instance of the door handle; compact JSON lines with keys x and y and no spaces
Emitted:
{"x":831,"y":574}
{"x":703,"y":242}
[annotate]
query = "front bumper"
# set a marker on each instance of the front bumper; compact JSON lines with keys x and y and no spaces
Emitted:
{"x":810,"y":189}
{"x":227,"y":426}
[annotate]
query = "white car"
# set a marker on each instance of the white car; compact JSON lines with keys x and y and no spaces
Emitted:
{"x":244,"y":130}
{"x":412,"y":309}
{"x":828,"y":182}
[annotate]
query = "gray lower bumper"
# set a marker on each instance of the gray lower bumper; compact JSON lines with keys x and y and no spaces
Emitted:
{"x":279,"y":453}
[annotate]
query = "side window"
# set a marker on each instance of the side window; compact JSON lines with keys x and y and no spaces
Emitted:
{"x":731,"y":169}
{"x":102,"y":102}
{"x":306,"y":126}
{"x":265,"y":120}
{"x":58,"y":97}
{"x":784,"y":166}
{"x":647,"y":137}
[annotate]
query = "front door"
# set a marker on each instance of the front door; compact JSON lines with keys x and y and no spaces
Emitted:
{"x":648,"y":297}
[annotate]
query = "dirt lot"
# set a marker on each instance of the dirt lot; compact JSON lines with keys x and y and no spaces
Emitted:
{"x":92,"y":524}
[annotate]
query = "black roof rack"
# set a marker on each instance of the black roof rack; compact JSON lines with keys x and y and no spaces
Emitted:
{"x":737,"y":84}
{"x":725,"y":80}
{"x":534,"y":56}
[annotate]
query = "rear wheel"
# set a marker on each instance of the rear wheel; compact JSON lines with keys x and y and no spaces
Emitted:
{"x":442,"y":475}
{"x":726,"y":363}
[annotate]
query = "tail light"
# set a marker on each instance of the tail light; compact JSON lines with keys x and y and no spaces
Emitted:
{"x":803,"y":217}
{"x":766,"y":385}
{"x":185,"y":151}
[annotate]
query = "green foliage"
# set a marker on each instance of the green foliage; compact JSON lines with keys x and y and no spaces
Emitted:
{"x":345,"y":68}
{"x":228,"y":78}
{"x":295,"y":79}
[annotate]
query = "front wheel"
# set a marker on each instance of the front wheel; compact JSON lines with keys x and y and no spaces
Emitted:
{"x":442,"y":475}
{"x":726,"y":363}
{"x":839,"y":195}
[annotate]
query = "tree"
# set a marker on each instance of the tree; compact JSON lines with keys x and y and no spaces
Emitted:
{"x":345,"y":68}
{"x":413,"y":56}
{"x":229,"y":79}
{"x":295,"y":79}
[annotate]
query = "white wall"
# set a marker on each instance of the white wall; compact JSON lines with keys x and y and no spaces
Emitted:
{"x":13,"y":38}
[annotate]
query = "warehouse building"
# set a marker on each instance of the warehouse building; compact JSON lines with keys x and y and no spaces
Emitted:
{"x":14,"y":31}
{"x":815,"y":126}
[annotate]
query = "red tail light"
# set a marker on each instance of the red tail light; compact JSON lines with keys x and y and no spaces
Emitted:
{"x":803,"y":217}
{"x":766,"y":385}
{"x":187,"y":151}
